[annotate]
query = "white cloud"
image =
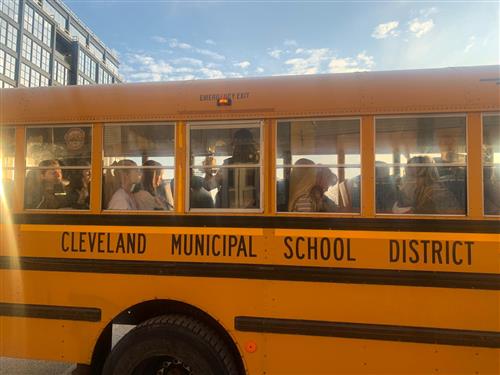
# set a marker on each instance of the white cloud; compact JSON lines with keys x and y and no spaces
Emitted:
{"x":363,"y":58}
{"x":243,"y":64}
{"x":174,"y":43}
{"x":299,"y":50}
{"x":187,"y":61}
{"x":384,"y":30}
{"x":470,"y":44}
{"x":311,"y":64}
{"x":211,"y":54}
{"x":361,"y":63}
{"x":260,"y":70}
{"x":290,"y":43}
{"x":276,"y":53}
{"x":210,"y":41}
{"x":159,"y":39}
{"x":212,"y":73}
{"x":428,"y":11}
{"x":420,"y":28}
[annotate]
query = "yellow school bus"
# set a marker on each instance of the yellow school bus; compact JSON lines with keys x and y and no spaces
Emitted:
{"x":323,"y":224}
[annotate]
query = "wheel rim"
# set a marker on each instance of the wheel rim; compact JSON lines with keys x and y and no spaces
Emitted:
{"x":163,"y":365}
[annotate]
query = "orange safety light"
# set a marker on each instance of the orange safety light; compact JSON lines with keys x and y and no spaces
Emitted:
{"x":223,"y":102}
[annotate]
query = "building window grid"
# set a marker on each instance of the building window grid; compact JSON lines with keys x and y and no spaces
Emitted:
{"x":96,"y":51}
{"x":24,"y":76}
{"x":36,"y":54}
{"x":58,"y":17}
{"x":5,"y":85}
{"x":9,"y":66}
{"x":61,"y":73}
{"x":87,"y":66}
{"x":10,"y":8}
{"x":38,"y":26}
{"x":29,"y":77}
{"x":8,"y":35}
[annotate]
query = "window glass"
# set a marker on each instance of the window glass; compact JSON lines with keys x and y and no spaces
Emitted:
{"x":491,"y":164}
{"x":8,"y":35}
{"x":421,"y":165}
{"x":59,"y":18}
{"x":78,"y":35}
{"x":139,"y":165}
{"x":7,"y":156}
{"x":318,"y":166}
{"x":10,"y":8}
{"x":7,"y":65}
{"x":61,"y":73}
{"x":58,"y":167}
{"x":225,"y":166}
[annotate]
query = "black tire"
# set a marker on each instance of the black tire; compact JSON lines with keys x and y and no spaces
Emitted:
{"x":171,"y":342}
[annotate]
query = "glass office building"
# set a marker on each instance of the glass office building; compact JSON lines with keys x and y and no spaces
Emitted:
{"x":43,"y":43}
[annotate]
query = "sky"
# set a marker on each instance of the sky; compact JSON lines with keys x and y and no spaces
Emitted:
{"x":185,"y":40}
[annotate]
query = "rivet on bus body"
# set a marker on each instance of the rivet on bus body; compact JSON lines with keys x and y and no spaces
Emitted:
{"x":251,"y":347}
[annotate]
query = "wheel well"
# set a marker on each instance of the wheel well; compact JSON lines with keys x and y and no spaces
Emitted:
{"x":149,"y":309}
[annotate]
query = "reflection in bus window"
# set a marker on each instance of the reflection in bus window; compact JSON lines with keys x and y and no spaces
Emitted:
{"x":58,"y":167}
{"x":421,"y":165}
{"x":225,"y":166}
{"x":318,"y":166}
{"x":7,"y":156}
{"x":138,"y":167}
{"x":491,"y":164}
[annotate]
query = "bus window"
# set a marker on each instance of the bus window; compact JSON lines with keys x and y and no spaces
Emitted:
{"x":318,"y":166}
{"x":491,"y":164}
{"x":138,"y":168}
{"x":225,"y":166}
{"x":58,"y":167}
{"x":7,"y":155}
{"x":421,"y":165}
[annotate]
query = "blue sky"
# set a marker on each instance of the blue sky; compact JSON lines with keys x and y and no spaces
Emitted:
{"x":177,"y":40}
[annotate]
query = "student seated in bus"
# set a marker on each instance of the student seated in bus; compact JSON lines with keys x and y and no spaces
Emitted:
{"x":78,"y":189}
{"x":421,"y":192}
{"x":452,"y":176}
{"x":236,"y":187}
{"x":492,"y":190}
{"x":308,"y":186}
{"x":386,"y":191}
{"x":122,"y":183}
{"x":45,"y":188}
{"x":151,"y":194}
{"x":199,"y":197}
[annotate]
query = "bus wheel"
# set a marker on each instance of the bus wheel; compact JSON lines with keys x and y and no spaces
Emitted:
{"x":171,"y":345}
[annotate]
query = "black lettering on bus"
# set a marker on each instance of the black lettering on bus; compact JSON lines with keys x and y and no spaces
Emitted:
{"x":91,"y":238}
{"x":250,"y":246}
{"x":215,"y":252}
{"x":233,"y":241}
{"x":338,"y":249}
{"x":141,"y":243}
{"x":242,"y":247}
{"x":131,"y":243}
{"x":188,"y":245}
{"x":81,"y":245}
{"x":425,"y":243}
{"x":350,"y":258}
{"x":312,"y":248}
{"x":199,"y":248}
{"x":176,"y":243}
{"x":120,"y":245}
{"x":413,"y":245}
{"x":325,"y":249}
{"x":454,"y":252}
{"x":63,"y":241}
{"x":298,"y":254}
{"x":437,"y":247}
{"x":393,"y":251}
{"x":289,"y":253}
{"x":469,"y":251}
